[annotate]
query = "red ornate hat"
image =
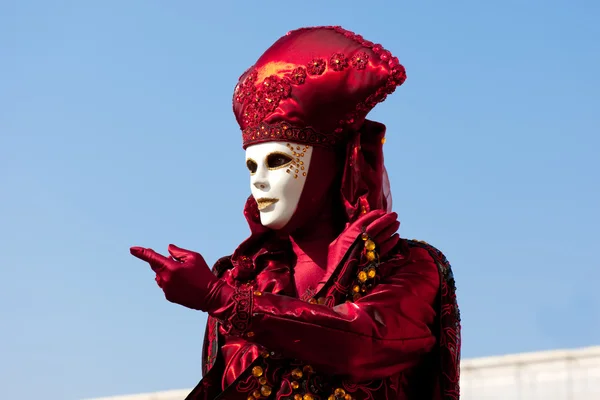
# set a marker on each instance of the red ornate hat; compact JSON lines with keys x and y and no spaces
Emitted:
{"x":314,"y":85}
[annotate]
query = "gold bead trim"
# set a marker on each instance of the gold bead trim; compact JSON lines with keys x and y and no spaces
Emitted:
{"x":365,"y":277}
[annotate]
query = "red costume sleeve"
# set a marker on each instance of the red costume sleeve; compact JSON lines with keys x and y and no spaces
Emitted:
{"x":382,"y":333}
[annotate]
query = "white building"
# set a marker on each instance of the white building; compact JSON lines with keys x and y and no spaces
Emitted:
{"x":548,"y":375}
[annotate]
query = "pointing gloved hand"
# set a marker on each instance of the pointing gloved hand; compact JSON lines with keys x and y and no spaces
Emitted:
{"x":184,"y":277}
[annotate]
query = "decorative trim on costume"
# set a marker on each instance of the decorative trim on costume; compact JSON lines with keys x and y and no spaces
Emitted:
{"x":212,"y":351}
{"x":366,"y":277}
{"x":284,"y":131}
{"x":239,"y":321}
{"x":449,"y":341}
{"x":260,"y":386}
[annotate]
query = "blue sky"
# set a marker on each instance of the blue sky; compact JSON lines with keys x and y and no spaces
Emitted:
{"x":116,"y":130}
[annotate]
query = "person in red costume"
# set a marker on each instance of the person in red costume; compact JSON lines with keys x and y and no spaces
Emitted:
{"x":324,"y":300}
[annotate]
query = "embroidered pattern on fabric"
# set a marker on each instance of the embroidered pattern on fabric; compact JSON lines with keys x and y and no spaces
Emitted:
{"x":246,"y":89}
{"x":239,"y":321}
{"x":263,"y":100}
{"x":212,"y":348}
{"x":338,"y":62}
{"x":262,"y":378}
{"x":301,"y":382}
{"x":316,"y":66}
{"x":360,"y":60}
{"x":395,"y":79}
{"x":450,"y":327}
{"x":298,"y":75}
{"x":284,"y":131}
{"x":376,"y":389}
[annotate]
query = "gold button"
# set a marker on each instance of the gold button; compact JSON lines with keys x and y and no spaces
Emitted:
{"x":297,"y":374}
{"x":370,"y":255}
{"x":297,"y":397}
{"x":332,"y":397}
{"x":257,"y":371}
{"x":372,"y":273}
{"x":370,"y":245}
{"x":365,"y":236}
{"x":265,"y":390}
{"x":321,"y":300}
{"x":257,"y":293}
{"x":339,"y":392}
{"x":356,"y":289}
{"x":312,"y":301}
{"x":308,"y":396}
{"x":347,"y":397}
{"x":256,"y":394}
{"x":262,"y":380}
{"x":362,"y":276}
{"x":295,"y":385}
{"x":250,"y":334}
{"x":250,"y":398}
{"x":307,"y":369}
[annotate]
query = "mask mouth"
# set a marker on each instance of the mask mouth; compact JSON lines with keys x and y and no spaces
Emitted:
{"x":265,"y":202}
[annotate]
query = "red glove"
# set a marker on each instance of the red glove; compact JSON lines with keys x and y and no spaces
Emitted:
{"x":382,"y":227}
{"x":378,"y":224}
{"x":184,"y":277}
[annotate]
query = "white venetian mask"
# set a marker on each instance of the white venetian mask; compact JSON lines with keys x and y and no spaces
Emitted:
{"x":278,"y":172}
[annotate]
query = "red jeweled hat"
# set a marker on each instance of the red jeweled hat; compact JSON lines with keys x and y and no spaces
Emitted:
{"x":312,"y":86}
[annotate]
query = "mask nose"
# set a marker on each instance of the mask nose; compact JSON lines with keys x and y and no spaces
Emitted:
{"x":260,"y":181}
{"x":260,"y":185}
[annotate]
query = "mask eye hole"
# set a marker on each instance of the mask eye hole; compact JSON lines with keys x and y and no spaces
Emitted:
{"x":251,"y":165}
{"x":278,"y":160}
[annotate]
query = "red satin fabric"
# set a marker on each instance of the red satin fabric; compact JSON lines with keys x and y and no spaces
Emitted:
{"x":380,"y":346}
{"x":382,"y":334}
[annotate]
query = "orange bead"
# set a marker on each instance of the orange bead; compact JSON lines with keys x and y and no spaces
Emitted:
{"x":297,"y":374}
{"x":265,"y":390}
{"x":372,"y":273}
{"x":362,"y":276}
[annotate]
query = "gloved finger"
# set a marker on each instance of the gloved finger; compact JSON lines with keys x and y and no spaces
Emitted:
{"x":386,"y":232}
{"x":156,"y":261}
{"x":386,"y":246}
{"x":182,"y":254}
{"x":367,"y":219}
{"x":377,"y":226}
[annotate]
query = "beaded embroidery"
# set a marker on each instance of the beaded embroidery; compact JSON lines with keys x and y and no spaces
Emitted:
{"x":366,"y":277}
{"x":284,"y":131}
{"x":239,"y":322}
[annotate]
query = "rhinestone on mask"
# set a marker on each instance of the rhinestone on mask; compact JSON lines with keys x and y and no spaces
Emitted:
{"x":297,"y":165}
